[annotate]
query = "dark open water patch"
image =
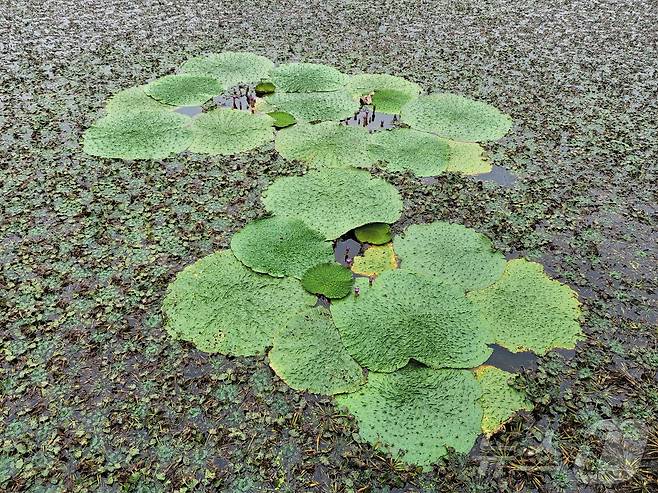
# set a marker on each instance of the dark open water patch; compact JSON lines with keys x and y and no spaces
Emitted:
{"x":498,"y":175}
{"x":189,"y":110}
{"x":369,"y":118}
{"x":345,"y":251}
{"x":504,"y":359}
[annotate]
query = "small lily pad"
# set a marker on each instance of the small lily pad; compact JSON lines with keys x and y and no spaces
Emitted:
{"x":315,"y":106}
{"x":418,"y":412}
{"x":308,"y":355}
{"x":183,"y":89}
{"x":403,"y":149}
{"x":329,"y":279}
{"x":389,"y":93}
{"x":375,"y":260}
{"x":280,"y":247}
{"x":499,"y":400}
{"x":264,"y":88}
{"x":230,"y":68}
{"x":225,"y":131}
{"x":144,"y":135}
{"x":307,"y":77}
{"x":282,"y":119}
{"x":456,"y":117}
{"x":527,"y":310}
{"x":374,"y":233}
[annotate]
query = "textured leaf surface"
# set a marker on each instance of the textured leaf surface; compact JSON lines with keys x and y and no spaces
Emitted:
{"x":404,"y":149}
{"x":326,"y":144}
{"x":467,"y":158}
{"x":499,"y":400}
{"x":225,"y":131}
{"x":134,"y":99}
{"x":389,"y":92}
{"x":450,"y":252}
{"x":145,"y":135}
{"x":308,"y":355}
{"x":334,"y":201}
{"x":183,"y":89}
{"x":315,"y":106}
{"x":418,"y":412}
{"x":221,"y":306}
{"x":456,"y":117}
{"x":280,"y":247}
{"x":375,"y":233}
{"x":329,"y":279}
{"x":375,"y":260}
{"x":307,"y":77}
{"x":230,"y":68}
{"x":403,"y":316}
{"x":529,"y":311}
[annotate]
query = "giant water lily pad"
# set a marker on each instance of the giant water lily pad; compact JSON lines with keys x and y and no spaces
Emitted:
{"x":456,"y":117}
{"x":225,"y":131}
{"x":134,"y":100}
{"x":389,"y":93}
{"x":308,"y":355}
{"x":230,"y":68}
{"x":418,"y":412}
{"x":138,"y":135}
{"x":404,"y":149}
{"x":329,"y":279}
{"x":326,"y":144}
{"x":450,"y":252}
{"x":499,"y":400}
{"x":529,"y":311}
{"x":183,"y":89}
{"x":315,"y":106}
{"x":375,"y":233}
{"x":375,"y":260}
{"x":467,"y":158}
{"x":279,"y":246}
{"x":405,"y":316}
{"x":307,"y":77}
{"x":334,"y":201}
{"x":222,"y":306}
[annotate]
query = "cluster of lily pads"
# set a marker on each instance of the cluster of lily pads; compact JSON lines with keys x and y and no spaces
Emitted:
{"x":305,"y":108}
{"x":401,"y":333}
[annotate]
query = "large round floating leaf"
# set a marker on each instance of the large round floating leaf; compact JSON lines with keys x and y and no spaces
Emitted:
{"x":224,"y":131}
{"x":450,"y":252}
{"x":307,"y":77}
{"x":418,"y":412}
{"x":334,"y":201}
{"x":404,"y":149}
{"x":230,"y":68}
{"x":375,"y":233}
{"x":308,"y":355}
{"x":134,"y":99}
{"x":467,"y":158}
{"x":183,"y":89}
{"x":280,"y":247}
{"x":405,"y":316}
{"x":145,"y":135}
{"x":221,"y":306}
{"x":456,"y":117}
{"x":329,"y":279}
{"x":375,"y":260}
{"x":529,"y":311}
{"x":389,"y":93}
{"x":315,"y":106}
{"x":326,"y":144}
{"x":499,"y":400}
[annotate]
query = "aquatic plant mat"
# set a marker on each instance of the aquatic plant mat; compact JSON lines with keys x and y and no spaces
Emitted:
{"x":97,"y":396}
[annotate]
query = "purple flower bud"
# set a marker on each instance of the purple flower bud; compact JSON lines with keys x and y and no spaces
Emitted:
{"x":356,"y":291}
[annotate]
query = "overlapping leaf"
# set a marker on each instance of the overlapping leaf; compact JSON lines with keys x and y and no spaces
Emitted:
{"x":183,"y":89}
{"x":404,"y":149}
{"x":315,"y":106}
{"x":307,"y":77}
{"x":389,"y":93}
{"x":230,"y":68}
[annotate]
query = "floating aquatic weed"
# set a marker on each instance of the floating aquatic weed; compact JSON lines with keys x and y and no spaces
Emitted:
{"x":334,"y":201}
{"x":315,"y":106}
{"x":329,"y":279}
{"x":230,"y":68}
{"x":375,"y":260}
{"x":456,"y":117}
{"x":388,"y":92}
{"x":280,"y":247}
{"x":374,"y":233}
{"x":308,"y":355}
{"x":224,"y":131}
{"x":144,"y":135}
{"x":405,"y":316}
{"x":307,"y":77}
{"x":325,"y":145}
{"x":183,"y":89}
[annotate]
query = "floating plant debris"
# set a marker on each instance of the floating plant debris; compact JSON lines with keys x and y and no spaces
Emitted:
{"x":372,"y":120}
{"x":241,"y":97}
